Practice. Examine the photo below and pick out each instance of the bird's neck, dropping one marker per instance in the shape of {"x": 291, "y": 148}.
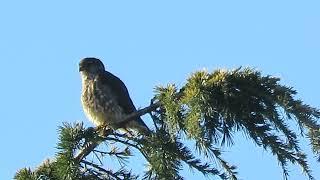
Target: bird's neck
{"x": 87, "y": 78}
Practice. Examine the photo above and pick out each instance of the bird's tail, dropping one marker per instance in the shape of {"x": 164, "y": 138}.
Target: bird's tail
{"x": 139, "y": 126}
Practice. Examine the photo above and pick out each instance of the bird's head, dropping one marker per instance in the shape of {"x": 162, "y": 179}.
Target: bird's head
{"x": 91, "y": 66}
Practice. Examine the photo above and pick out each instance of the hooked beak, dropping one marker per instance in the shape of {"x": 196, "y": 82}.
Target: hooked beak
{"x": 81, "y": 68}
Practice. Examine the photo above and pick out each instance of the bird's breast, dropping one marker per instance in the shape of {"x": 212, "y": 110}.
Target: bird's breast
{"x": 100, "y": 105}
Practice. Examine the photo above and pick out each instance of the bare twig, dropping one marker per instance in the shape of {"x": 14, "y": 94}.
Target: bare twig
{"x": 93, "y": 144}
{"x": 141, "y": 112}
{"x": 100, "y": 169}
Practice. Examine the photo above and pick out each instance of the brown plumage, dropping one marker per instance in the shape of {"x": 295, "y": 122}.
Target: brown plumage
{"x": 105, "y": 98}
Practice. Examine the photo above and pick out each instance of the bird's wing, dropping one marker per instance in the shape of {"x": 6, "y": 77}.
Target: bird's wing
{"x": 119, "y": 90}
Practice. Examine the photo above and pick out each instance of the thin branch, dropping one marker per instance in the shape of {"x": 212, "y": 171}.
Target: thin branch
{"x": 141, "y": 112}
{"x": 90, "y": 146}
{"x": 130, "y": 144}
{"x": 123, "y": 142}
{"x": 101, "y": 152}
{"x": 93, "y": 144}
{"x": 100, "y": 169}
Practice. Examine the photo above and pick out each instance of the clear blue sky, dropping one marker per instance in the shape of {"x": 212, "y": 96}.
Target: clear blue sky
{"x": 146, "y": 43}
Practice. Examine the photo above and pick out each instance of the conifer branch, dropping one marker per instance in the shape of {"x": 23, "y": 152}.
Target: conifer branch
{"x": 90, "y": 146}
{"x": 108, "y": 173}
{"x": 208, "y": 111}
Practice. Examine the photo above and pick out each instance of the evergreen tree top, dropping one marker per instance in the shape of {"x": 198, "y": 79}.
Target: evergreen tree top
{"x": 206, "y": 112}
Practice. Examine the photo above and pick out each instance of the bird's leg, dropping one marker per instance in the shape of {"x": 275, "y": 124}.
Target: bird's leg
{"x": 103, "y": 130}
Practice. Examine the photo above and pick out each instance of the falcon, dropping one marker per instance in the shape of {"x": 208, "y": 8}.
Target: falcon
{"x": 105, "y": 98}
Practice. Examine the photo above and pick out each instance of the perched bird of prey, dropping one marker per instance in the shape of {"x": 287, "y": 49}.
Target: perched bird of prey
{"x": 105, "y": 98}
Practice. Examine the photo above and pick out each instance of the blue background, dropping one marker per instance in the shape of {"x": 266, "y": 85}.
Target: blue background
{"x": 146, "y": 43}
